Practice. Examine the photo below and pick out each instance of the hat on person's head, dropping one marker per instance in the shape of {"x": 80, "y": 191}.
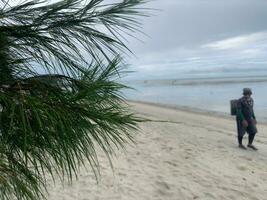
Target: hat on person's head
{"x": 247, "y": 91}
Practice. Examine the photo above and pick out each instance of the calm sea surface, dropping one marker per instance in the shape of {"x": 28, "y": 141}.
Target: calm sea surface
{"x": 211, "y": 94}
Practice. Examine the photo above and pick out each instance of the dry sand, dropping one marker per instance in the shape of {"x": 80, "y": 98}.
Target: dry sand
{"x": 191, "y": 156}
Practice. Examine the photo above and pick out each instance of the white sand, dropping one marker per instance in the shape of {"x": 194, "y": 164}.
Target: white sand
{"x": 193, "y": 156}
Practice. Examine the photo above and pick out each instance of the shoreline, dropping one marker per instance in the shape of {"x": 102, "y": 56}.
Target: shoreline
{"x": 193, "y": 110}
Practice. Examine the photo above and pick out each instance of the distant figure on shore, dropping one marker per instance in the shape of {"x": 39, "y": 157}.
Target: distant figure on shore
{"x": 246, "y": 120}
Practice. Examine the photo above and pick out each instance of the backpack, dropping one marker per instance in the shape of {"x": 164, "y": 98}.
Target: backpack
{"x": 233, "y": 106}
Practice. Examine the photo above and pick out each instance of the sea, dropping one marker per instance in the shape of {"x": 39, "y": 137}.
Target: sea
{"x": 202, "y": 92}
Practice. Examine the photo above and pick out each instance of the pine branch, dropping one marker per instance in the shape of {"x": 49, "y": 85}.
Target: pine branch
{"x": 67, "y": 29}
{"x": 59, "y": 92}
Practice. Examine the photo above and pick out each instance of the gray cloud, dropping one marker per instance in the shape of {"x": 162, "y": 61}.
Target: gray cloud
{"x": 189, "y": 23}
{"x": 191, "y": 29}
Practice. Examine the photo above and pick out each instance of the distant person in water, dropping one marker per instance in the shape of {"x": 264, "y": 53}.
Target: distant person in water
{"x": 246, "y": 120}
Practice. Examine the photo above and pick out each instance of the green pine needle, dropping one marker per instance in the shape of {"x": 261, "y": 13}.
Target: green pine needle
{"x": 59, "y": 94}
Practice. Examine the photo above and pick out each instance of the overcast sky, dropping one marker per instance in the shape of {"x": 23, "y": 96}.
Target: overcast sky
{"x": 201, "y": 35}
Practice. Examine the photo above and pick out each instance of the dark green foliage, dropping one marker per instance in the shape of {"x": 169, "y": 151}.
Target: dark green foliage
{"x": 5, "y": 69}
{"x": 59, "y": 94}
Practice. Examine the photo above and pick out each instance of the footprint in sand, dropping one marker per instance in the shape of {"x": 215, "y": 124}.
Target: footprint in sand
{"x": 255, "y": 185}
{"x": 171, "y": 163}
{"x": 167, "y": 148}
{"x": 242, "y": 168}
{"x": 121, "y": 174}
{"x": 189, "y": 152}
{"x": 163, "y": 188}
{"x": 249, "y": 159}
{"x": 163, "y": 185}
{"x": 246, "y": 158}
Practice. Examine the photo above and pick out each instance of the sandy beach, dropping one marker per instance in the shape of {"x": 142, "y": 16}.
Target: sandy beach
{"x": 179, "y": 155}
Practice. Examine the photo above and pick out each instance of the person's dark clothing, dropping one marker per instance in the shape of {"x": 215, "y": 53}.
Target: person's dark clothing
{"x": 241, "y": 130}
{"x": 251, "y": 138}
{"x": 245, "y": 112}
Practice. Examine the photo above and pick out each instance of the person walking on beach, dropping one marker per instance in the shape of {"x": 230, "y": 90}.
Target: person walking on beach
{"x": 246, "y": 120}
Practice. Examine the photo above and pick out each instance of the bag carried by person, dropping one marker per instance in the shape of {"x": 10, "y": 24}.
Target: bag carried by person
{"x": 233, "y": 106}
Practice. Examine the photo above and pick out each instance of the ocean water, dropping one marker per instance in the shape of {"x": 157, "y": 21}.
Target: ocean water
{"x": 210, "y": 94}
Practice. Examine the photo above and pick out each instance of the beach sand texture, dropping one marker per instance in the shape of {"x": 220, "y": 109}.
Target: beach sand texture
{"x": 191, "y": 156}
